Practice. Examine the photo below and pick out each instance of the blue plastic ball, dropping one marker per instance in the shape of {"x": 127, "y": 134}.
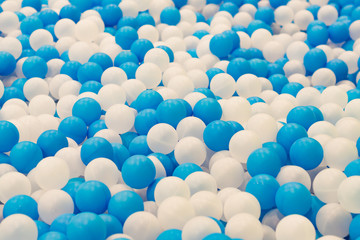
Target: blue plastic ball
{"x": 170, "y": 16}
{"x": 125, "y": 203}
{"x": 124, "y": 57}
{"x": 207, "y": 92}
{"x": 91, "y": 86}
{"x": 278, "y": 81}
{"x": 21, "y": 204}
{"x": 95, "y": 127}
{"x": 130, "y": 69}
{"x": 92, "y": 196}
{"x": 127, "y": 138}
{"x": 263, "y": 161}
{"x": 128, "y": 21}
{"x": 170, "y": 234}
{"x": 185, "y": 169}
{"x": 60, "y": 223}
{"x": 353, "y": 94}
{"x": 47, "y": 52}
{"x": 88, "y": 109}
{"x": 145, "y": 120}
{"x": 167, "y": 163}
{"x": 111, "y": 14}
{"x": 74, "y": 128}
{"x": 221, "y": 45}
{"x": 200, "y": 33}
{"x": 70, "y": 68}
{"x": 306, "y": 153}
{"x": 25, "y": 155}
{"x": 259, "y": 67}
{"x": 121, "y": 153}
{"x": 293, "y": 198}
{"x": 102, "y": 59}
{"x": 85, "y": 226}
{"x": 30, "y": 24}
{"x": 71, "y": 12}
{"x": 113, "y": 225}
{"x": 171, "y": 111}
{"x": 339, "y": 67}
{"x": 316, "y": 204}
{"x": 83, "y": 5}
{"x": 266, "y": 14}
{"x": 8, "y": 63}
{"x": 217, "y": 236}
{"x": 126, "y": 36}
{"x": 48, "y": 17}
{"x": 253, "y": 100}
{"x": 71, "y": 188}
{"x": 339, "y": 32}
{"x": 53, "y": 236}
{"x": 140, "y": 47}
{"x": 353, "y": 168}
{"x": 354, "y": 229}
{"x": 139, "y": 146}
{"x": 278, "y": 3}
{"x": 42, "y": 227}
{"x": 292, "y": 88}
{"x": 138, "y": 171}
{"x": 4, "y": 158}
{"x": 10, "y": 93}
{"x": 34, "y": 67}
{"x": 96, "y": 147}
{"x": 317, "y": 34}
{"x": 279, "y": 149}
{"x": 145, "y": 18}
{"x": 289, "y": 133}
{"x": 150, "y": 191}
{"x": 301, "y": 115}
{"x": 52, "y": 141}
{"x": 212, "y": 72}
{"x": 24, "y": 40}
{"x": 314, "y": 59}
{"x": 208, "y": 110}
{"x": 217, "y": 135}
{"x": 238, "y": 67}
{"x": 275, "y": 68}
{"x": 264, "y": 188}
{"x": 148, "y": 99}
{"x": 229, "y": 7}
{"x": 89, "y": 71}
{"x": 9, "y": 136}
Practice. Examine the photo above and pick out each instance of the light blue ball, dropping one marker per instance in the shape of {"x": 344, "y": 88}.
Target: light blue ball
{"x": 30, "y": 24}
{"x": 140, "y": 47}
{"x": 138, "y": 171}
{"x": 124, "y": 57}
{"x": 60, "y": 223}
{"x": 238, "y": 67}
{"x": 293, "y": 198}
{"x": 306, "y": 153}
{"x": 102, "y": 59}
{"x": 170, "y": 234}
{"x": 167, "y": 163}
{"x": 91, "y": 86}
{"x": 121, "y": 153}
{"x": 51, "y": 141}
{"x": 126, "y": 36}
{"x": 139, "y": 146}
{"x": 217, "y": 135}
{"x": 148, "y": 99}
{"x": 47, "y": 52}
{"x": 353, "y": 168}
{"x": 8, "y": 63}
{"x": 279, "y": 149}
{"x": 74, "y": 128}
{"x": 217, "y": 236}
{"x": 208, "y": 110}
{"x": 264, "y": 188}
{"x": 145, "y": 120}
{"x": 111, "y": 14}
{"x": 42, "y": 227}
{"x": 317, "y": 33}
{"x": 113, "y": 225}
{"x": 171, "y": 111}
{"x": 21, "y": 204}
{"x": 89, "y": 71}
{"x": 95, "y": 127}
{"x": 354, "y": 229}
{"x": 88, "y": 109}
{"x": 92, "y": 196}
{"x": 278, "y": 81}
{"x": 339, "y": 67}
{"x": 86, "y": 226}
{"x": 263, "y": 161}
{"x": 34, "y": 67}
{"x": 292, "y": 88}
{"x": 70, "y": 68}
{"x": 221, "y": 45}
{"x": 184, "y": 170}
{"x": 289, "y": 133}
{"x": 170, "y": 16}
{"x": 301, "y": 115}
{"x": 125, "y": 203}
{"x": 314, "y": 59}
{"x": 96, "y": 147}
{"x": 25, "y": 155}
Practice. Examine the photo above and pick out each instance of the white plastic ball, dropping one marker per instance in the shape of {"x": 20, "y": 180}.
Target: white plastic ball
{"x": 294, "y": 66}
{"x": 332, "y": 219}
{"x": 272, "y": 218}
{"x": 352, "y": 109}
{"x": 243, "y": 143}
{"x": 64, "y": 43}
{"x": 354, "y": 30}
{"x": 157, "y": 56}
{"x": 348, "y": 194}
{"x": 149, "y": 32}
{"x": 150, "y": 74}
{"x": 227, "y": 172}
{"x": 175, "y": 212}
{"x": 52, "y": 173}
{"x": 190, "y": 150}
{"x": 223, "y": 85}
{"x": 349, "y": 128}
{"x": 248, "y": 85}
{"x": 330, "y": 237}
{"x": 86, "y": 30}
{"x": 69, "y": 88}
{"x": 327, "y": 14}
{"x": 5, "y": 168}
{"x": 39, "y": 38}
{"x": 335, "y": 94}
{"x": 35, "y": 86}
{"x": 273, "y": 51}
{"x": 201, "y": 181}
{"x": 110, "y": 95}
{"x": 56, "y": 83}
{"x": 190, "y": 127}
{"x": 42, "y": 104}
{"x": 129, "y": 8}
{"x": 326, "y": 184}
{"x": 81, "y": 52}
{"x": 339, "y": 152}
{"x": 283, "y": 15}
{"x": 11, "y": 45}
{"x": 72, "y": 158}
{"x": 9, "y": 21}
{"x": 169, "y": 187}
{"x": 207, "y": 204}
{"x": 13, "y": 183}
{"x": 64, "y": 106}
{"x": 64, "y": 28}
{"x": 332, "y": 112}
{"x": 243, "y": 19}
{"x": 103, "y": 170}
{"x": 260, "y": 37}
{"x": 324, "y": 77}
{"x": 242, "y": 202}
{"x": 142, "y": 226}
{"x": 19, "y": 227}
{"x": 322, "y": 127}
{"x": 199, "y": 227}
{"x": 302, "y": 18}
{"x": 162, "y": 138}
{"x": 244, "y": 226}
{"x": 113, "y": 75}
{"x": 295, "y": 227}
{"x": 294, "y": 173}
{"x": 54, "y": 203}
{"x": 193, "y": 97}
{"x": 264, "y": 125}
{"x": 120, "y": 118}
{"x": 182, "y": 85}
{"x": 350, "y": 58}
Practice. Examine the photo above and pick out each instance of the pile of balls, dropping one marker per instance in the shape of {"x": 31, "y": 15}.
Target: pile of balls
{"x": 179, "y": 119}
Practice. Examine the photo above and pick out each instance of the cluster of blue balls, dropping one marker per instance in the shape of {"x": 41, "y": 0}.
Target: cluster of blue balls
{"x": 92, "y": 199}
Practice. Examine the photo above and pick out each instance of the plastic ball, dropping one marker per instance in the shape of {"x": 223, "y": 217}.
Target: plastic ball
{"x": 21, "y": 204}
{"x": 292, "y": 173}
{"x": 289, "y": 133}
{"x": 306, "y": 153}
{"x": 24, "y": 156}
{"x": 241, "y": 202}
{"x": 227, "y": 172}
{"x": 327, "y": 14}
{"x": 347, "y": 194}
{"x": 136, "y": 165}
{"x": 61, "y": 222}
{"x": 115, "y": 118}
{"x": 292, "y": 224}
{"x": 140, "y": 47}
{"x": 79, "y": 51}
{"x": 293, "y": 198}
{"x": 53, "y": 235}
{"x": 174, "y": 212}
{"x": 10, "y": 135}
{"x": 244, "y": 226}
{"x": 162, "y": 138}
{"x": 339, "y": 152}
{"x": 353, "y": 229}
{"x": 190, "y": 149}
{"x": 10, "y": 65}
{"x": 206, "y": 203}
{"x": 263, "y": 161}
{"x": 12, "y": 178}
{"x": 87, "y": 109}
{"x": 54, "y": 203}
{"x": 92, "y": 196}
{"x": 74, "y": 128}
{"x": 96, "y": 147}
{"x": 19, "y": 226}
{"x": 199, "y": 227}
{"x": 51, "y": 141}
{"x": 171, "y": 111}
{"x": 34, "y": 67}
{"x": 125, "y": 203}
{"x": 221, "y": 45}
{"x": 125, "y": 36}
{"x": 86, "y": 225}
{"x": 134, "y": 226}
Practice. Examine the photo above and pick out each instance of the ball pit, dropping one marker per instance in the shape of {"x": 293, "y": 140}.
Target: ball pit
{"x": 179, "y": 119}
